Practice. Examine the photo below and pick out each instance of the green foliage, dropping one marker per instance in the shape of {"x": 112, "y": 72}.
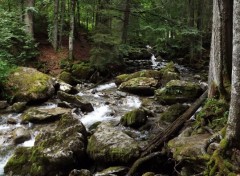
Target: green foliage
{"x": 15, "y": 45}
{"x": 5, "y": 69}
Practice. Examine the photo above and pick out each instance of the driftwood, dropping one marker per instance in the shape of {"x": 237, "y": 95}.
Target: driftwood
{"x": 176, "y": 126}
{"x": 140, "y": 162}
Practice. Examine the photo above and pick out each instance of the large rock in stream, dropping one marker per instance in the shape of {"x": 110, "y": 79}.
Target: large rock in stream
{"x": 110, "y": 145}
{"x": 178, "y": 91}
{"x": 41, "y": 115}
{"x": 54, "y": 153}
{"x": 28, "y": 84}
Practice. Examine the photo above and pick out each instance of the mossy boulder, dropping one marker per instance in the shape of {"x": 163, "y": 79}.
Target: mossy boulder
{"x": 55, "y": 152}
{"x": 190, "y": 150}
{"x": 143, "y": 73}
{"x": 76, "y": 101}
{"x": 134, "y": 118}
{"x": 28, "y": 84}
{"x": 82, "y": 71}
{"x": 66, "y": 77}
{"x": 178, "y": 91}
{"x": 110, "y": 145}
{"x": 173, "y": 112}
{"x": 214, "y": 113}
{"x": 41, "y": 115}
{"x": 19, "y": 107}
{"x": 140, "y": 86}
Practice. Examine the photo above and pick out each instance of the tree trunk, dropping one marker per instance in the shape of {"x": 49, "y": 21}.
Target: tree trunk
{"x": 71, "y": 33}
{"x": 233, "y": 124}
{"x": 191, "y": 24}
{"x": 126, "y": 21}
{"x": 28, "y": 18}
{"x": 62, "y": 15}
{"x": 200, "y": 26}
{"x": 215, "y": 77}
{"x": 55, "y": 25}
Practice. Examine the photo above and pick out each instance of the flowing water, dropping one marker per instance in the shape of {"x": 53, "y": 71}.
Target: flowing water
{"x": 108, "y": 103}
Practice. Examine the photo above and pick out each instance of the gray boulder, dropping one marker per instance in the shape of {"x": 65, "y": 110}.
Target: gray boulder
{"x": 111, "y": 145}
{"x": 21, "y": 135}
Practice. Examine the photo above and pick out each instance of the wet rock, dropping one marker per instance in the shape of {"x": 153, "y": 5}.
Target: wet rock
{"x": 178, "y": 91}
{"x": 121, "y": 94}
{"x": 173, "y": 112}
{"x": 111, "y": 145}
{"x": 3, "y": 104}
{"x": 65, "y": 87}
{"x": 54, "y": 153}
{"x": 140, "y": 86}
{"x": 19, "y": 107}
{"x": 117, "y": 170}
{"x": 169, "y": 72}
{"x": 64, "y": 104}
{"x": 21, "y": 135}
{"x": 76, "y": 101}
{"x": 39, "y": 115}
{"x": 134, "y": 118}
{"x": 29, "y": 85}
{"x": 144, "y": 73}
{"x": 82, "y": 172}
{"x": 12, "y": 121}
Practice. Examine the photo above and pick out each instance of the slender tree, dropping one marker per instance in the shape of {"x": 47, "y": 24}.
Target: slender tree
{"x": 126, "y": 21}
{"x": 233, "y": 125}
{"x": 55, "y": 25}
{"x": 71, "y": 32}
{"x": 28, "y": 18}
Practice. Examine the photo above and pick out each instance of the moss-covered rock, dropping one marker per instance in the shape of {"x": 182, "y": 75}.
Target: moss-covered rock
{"x": 66, "y": 77}
{"x": 134, "y": 118}
{"x": 190, "y": 150}
{"x": 178, "y": 91}
{"x": 54, "y": 153}
{"x": 82, "y": 70}
{"x": 173, "y": 112}
{"x": 75, "y": 100}
{"x": 140, "y": 86}
{"x": 169, "y": 72}
{"x": 28, "y": 84}
{"x": 214, "y": 113}
{"x": 144, "y": 73}
{"x": 18, "y": 107}
{"x": 39, "y": 115}
{"x": 110, "y": 145}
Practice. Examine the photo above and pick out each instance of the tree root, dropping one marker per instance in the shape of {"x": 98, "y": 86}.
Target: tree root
{"x": 219, "y": 163}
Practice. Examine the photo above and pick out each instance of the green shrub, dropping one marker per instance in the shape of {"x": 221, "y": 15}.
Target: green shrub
{"x": 16, "y": 46}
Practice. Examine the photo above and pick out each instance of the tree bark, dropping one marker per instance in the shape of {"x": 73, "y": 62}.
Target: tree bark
{"x": 164, "y": 136}
{"x": 62, "y": 15}
{"x": 55, "y": 25}
{"x": 71, "y": 33}
{"x": 28, "y": 17}
{"x": 126, "y": 21}
{"x": 233, "y": 124}
{"x": 191, "y": 25}
{"x": 216, "y": 66}
{"x": 200, "y": 26}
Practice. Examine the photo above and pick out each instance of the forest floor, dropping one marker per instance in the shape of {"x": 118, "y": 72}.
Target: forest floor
{"x": 49, "y": 60}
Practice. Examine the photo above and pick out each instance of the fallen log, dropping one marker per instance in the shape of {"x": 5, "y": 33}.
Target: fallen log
{"x": 176, "y": 126}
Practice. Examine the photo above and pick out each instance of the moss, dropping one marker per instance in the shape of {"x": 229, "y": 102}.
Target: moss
{"x": 144, "y": 73}
{"x": 134, "y": 118}
{"x": 82, "y": 70}
{"x": 214, "y": 113}
{"x": 173, "y": 112}
{"x": 66, "y": 77}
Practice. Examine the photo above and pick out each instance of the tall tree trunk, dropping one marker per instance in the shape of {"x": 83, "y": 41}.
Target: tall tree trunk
{"x": 215, "y": 79}
{"x": 126, "y": 21}
{"x": 200, "y": 26}
{"x": 28, "y": 18}
{"x": 227, "y": 11}
{"x": 55, "y": 25}
{"x": 62, "y": 15}
{"x": 233, "y": 125}
{"x": 71, "y": 33}
{"x": 191, "y": 24}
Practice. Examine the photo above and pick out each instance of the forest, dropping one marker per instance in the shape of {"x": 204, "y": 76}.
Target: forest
{"x": 119, "y": 87}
